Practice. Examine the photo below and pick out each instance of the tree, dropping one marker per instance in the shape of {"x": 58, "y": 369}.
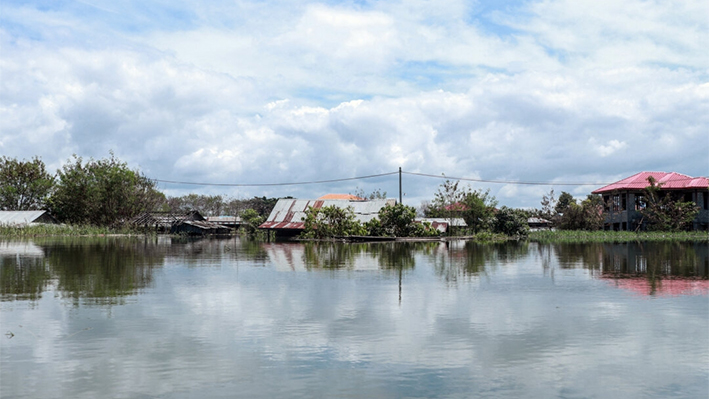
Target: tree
{"x": 451, "y": 201}
{"x": 102, "y": 193}
{"x": 565, "y": 200}
{"x": 331, "y": 221}
{"x": 376, "y": 194}
{"x": 511, "y": 222}
{"x": 252, "y": 220}
{"x": 398, "y": 221}
{"x": 478, "y": 210}
{"x": 24, "y": 185}
{"x": 548, "y": 205}
{"x": 663, "y": 213}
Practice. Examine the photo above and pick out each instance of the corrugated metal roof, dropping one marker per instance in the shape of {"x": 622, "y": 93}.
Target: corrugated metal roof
{"x": 224, "y": 219}
{"x": 668, "y": 181}
{"x": 289, "y": 213}
{"x": 22, "y": 217}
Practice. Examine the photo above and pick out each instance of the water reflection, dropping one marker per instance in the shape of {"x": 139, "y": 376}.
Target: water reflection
{"x": 108, "y": 269}
{"x": 655, "y": 268}
{"x": 456, "y": 260}
{"x": 231, "y": 318}
{"x": 24, "y": 274}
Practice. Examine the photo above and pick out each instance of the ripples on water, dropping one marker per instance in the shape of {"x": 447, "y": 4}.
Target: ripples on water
{"x": 127, "y": 318}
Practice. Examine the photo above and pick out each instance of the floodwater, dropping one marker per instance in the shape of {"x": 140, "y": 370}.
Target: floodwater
{"x": 163, "y": 318}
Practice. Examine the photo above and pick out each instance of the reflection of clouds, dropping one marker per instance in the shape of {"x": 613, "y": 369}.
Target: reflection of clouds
{"x": 251, "y": 331}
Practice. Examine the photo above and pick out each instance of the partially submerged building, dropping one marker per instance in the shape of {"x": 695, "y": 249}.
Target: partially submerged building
{"x": 190, "y": 223}
{"x": 625, "y": 198}
{"x": 287, "y": 217}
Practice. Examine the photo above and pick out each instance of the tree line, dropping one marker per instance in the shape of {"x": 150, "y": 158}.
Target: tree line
{"x": 106, "y": 192}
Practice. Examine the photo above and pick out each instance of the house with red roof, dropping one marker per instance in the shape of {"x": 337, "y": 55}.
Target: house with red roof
{"x": 624, "y": 199}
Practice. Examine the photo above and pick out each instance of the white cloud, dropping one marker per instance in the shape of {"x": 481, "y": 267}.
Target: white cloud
{"x": 314, "y": 92}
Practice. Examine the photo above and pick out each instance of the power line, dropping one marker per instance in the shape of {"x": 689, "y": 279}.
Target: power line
{"x": 380, "y": 175}
{"x": 274, "y": 184}
{"x": 506, "y": 181}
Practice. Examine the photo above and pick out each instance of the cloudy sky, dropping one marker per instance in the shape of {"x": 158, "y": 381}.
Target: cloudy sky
{"x": 251, "y": 92}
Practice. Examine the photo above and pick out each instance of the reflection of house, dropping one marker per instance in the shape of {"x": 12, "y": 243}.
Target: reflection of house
{"x": 23, "y": 218}
{"x": 286, "y": 218}
{"x": 192, "y": 223}
{"x": 625, "y": 198}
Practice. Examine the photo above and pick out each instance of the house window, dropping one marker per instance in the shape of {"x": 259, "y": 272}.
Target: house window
{"x": 640, "y": 202}
{"x": 615, "y": 206}
{"x": 706, "y": 200}
{"x": 624, "y": 201}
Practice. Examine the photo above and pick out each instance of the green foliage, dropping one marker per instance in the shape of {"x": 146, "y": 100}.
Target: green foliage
{"x": 478, "y": 211}
{"x": 663, "y": 213}
{"x": 565, "y": 200}
{"x": 587, "y": 216}
{"x": 374, "y": 228}
{"x": 101, "y": 193}
{"x": 217, "y": 205}
{"x": 398, "y": 221}
{"x": 580, "y": 236}
{"x": 24, "y": 185}
{"x": 251, "y": 221}
{"x": 548, "y": 206}
{"x": 331, "y": 221}
{"x": 476, "y": 207}
{"x": 511, "y": 222}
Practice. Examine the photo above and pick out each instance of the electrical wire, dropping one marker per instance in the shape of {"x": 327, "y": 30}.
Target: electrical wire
{"x": 380, "y": 175}
{"x": 275, "y": 184}
{"x": 505, "y": 181}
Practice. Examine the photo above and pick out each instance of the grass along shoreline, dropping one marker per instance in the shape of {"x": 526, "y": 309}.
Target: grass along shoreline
{"x": 615, "y": 236}
{"x": 52, "y": 230}
{"x": 49, "y": 230}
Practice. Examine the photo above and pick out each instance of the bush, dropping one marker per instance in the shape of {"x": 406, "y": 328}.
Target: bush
{"x": 511, "y": 222}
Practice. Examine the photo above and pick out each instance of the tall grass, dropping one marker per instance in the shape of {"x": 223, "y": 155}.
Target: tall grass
{"x": 615, "y": 236}
{"x": 47, "y": 230}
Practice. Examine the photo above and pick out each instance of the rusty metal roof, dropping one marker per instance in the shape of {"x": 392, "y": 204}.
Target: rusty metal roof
{"x": 289, "y": 213}
{"x": 667, "y": 181}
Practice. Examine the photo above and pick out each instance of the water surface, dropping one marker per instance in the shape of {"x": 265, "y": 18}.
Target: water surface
{"x": 163, "y": 318}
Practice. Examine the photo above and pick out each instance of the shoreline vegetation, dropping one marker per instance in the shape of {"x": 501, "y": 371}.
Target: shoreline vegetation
{"x": 544, "y": 236}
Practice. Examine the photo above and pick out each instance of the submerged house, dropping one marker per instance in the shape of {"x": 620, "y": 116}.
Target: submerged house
{"x": 191, "y": 223}
{"x": 286, "y": 218}
{"x": 625, "y": 199}
{"x": 24, "y": 218}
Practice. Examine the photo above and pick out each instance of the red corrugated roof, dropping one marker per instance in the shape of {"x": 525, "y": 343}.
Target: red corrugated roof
{"x": 671, "y": 180}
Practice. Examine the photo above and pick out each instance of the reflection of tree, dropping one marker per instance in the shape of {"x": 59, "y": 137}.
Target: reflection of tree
{"x": 469, "y": 259}
{"x": 572, "y": 255}
{"x": 397, "y": 255}
{"x": 206, "y": 251}
{"x": 331, "y": 255}
{"x": 103, "y": 270}
{"x": 22, "y": 278}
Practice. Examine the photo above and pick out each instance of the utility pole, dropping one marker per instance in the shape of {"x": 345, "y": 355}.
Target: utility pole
{"x": 401, "y": 200}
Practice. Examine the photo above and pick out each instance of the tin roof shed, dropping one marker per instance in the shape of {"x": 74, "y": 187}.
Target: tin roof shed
{"x": 288, "y": 214}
